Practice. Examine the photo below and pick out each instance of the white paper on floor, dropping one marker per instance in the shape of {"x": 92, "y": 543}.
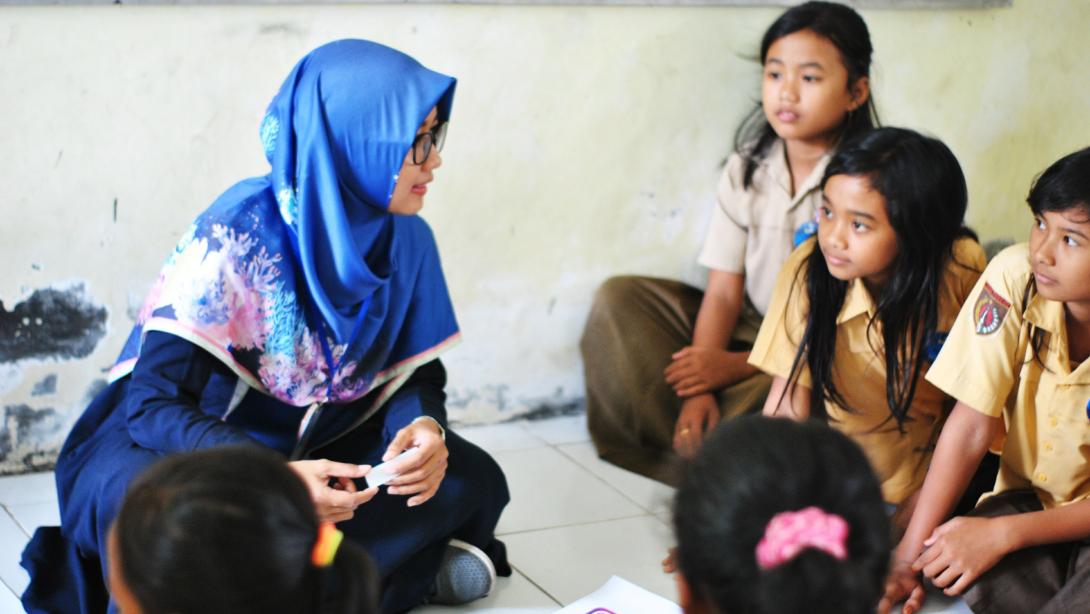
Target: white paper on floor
{"x": 619, "y": 596}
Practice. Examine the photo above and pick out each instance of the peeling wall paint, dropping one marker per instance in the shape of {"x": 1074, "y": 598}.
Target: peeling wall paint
{"x": 586, "y": 142}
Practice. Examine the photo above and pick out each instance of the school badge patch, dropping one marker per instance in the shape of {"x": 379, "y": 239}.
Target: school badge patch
{"x": 989, "y": 311}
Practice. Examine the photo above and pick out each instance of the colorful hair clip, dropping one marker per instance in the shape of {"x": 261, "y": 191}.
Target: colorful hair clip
{"x": 789, "y": 533}
{"x": 325, "y": 547}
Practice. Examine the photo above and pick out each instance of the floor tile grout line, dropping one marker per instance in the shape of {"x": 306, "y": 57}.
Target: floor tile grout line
{"x": 8, "y": 586}
{"x": 536, "y": 585}
{"x": 11, "y": 515}
{"x": 574, "y": 524}
{"x": 600, "y": 478}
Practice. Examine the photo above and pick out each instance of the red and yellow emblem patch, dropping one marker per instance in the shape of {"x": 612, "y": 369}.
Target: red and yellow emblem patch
{"x": 989, "y": 311}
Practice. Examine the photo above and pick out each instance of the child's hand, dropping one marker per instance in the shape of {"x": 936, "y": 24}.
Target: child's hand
{"x": 698, "y": 416}
{"x": 962, "y": 549}
{"x": 423, "y": 471}
{"x": 669, "y": 564}
{"x": 902, "y": 584}
{"x": 332, "y": 490}
{"x": 698, "y": 370}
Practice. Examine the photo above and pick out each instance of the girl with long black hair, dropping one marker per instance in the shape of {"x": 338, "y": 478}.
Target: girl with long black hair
{"x": 859, "y": 313}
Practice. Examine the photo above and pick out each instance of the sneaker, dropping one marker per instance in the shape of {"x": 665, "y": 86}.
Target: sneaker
{"x": 465, "y": 574}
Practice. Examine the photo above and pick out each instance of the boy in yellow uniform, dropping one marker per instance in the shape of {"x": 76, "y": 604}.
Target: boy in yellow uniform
{"x": 1016, "y": 357}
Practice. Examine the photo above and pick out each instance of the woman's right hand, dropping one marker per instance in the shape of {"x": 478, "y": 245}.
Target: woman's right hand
{"x": 902, "y": 584}
{"x": 332, "y": 490}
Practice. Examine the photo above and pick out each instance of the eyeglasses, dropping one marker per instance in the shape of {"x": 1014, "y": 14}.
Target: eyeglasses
{"x": 423, "y": 143}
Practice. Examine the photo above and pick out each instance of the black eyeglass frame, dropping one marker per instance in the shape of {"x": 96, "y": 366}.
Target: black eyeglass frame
{"x": 423, "y": 143}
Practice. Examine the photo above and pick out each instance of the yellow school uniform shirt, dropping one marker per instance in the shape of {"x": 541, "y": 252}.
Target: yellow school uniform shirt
{"x": 988, "y": 363}
{"x": 859, "y": 371}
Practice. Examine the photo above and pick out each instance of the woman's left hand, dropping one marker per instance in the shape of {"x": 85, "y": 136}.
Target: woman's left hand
{"x": 424, "y": 470}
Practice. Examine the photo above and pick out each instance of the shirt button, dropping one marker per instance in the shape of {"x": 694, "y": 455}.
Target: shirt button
{"x": 1042, "y": 477}
{"x": 1053, "y": 422}
{"x": 1048, "y": 446}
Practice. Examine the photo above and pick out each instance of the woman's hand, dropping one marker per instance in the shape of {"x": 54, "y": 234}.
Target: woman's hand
{"x": 331, "y": 487}
{"x": 698, "y": 370}
{"x": 962, "y": 549}
{"x": 423, "y": 471}
{"x": 698, "y": 417}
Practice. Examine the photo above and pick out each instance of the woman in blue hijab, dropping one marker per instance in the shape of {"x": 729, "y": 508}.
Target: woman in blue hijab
{"x": 303, "y": 311}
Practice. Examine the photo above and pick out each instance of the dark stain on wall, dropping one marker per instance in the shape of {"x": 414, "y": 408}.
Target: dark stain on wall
{"x": 21, "y": 439}
{"x": 46, "y": 386}
{"x": 51, "y": 323}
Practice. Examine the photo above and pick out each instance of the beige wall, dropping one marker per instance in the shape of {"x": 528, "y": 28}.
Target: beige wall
{"x": 585, "y": 143}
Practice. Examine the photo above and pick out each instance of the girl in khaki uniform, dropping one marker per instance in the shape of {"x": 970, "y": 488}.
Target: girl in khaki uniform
{"x": 1017, "y": 359}
{"x": 663, "y": 360}
{"x": 858, "y": 314}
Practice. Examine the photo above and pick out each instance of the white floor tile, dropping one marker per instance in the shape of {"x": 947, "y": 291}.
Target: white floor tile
{"x": 570, "y": 562}
{"x": 556, "y": 431}
{"x": 12, "y": 541}
{"x": 29, "y": 488}
{"x": 30, "y": 516}
{"x": 549, "y": 489}
{"x": 649, "y": 494}
{"x": 514, "y": 594}
{"x": 494, "y": 438}
{"x": 9, "y": 603}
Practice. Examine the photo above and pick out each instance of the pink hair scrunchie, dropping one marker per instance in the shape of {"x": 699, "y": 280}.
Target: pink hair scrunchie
{"x": 789, "y": 533}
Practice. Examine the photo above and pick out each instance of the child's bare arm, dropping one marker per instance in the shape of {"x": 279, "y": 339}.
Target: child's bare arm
{"x": 795, "y": 403}
{"x": 963, "y": 443}
{"x": 959, "y": 551}
{"x": 706, "y": 366}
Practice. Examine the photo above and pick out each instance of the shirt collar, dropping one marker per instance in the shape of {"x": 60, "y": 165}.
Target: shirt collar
{"x": 1045, "y": 314}
{"x": 775, "y": 164}
{"x": 857, "y": 302}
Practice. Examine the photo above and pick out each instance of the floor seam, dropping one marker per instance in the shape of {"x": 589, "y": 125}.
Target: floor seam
{"x": 536, "y": 585}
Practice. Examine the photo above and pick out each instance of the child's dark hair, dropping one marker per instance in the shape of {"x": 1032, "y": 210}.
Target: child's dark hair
{"x": 926, "y": 197}
{"x": 751, "y": 469}
{"x": 1064, "y": 185}
{"x": 232, "y": 529}
{"x": 845, "y": 29}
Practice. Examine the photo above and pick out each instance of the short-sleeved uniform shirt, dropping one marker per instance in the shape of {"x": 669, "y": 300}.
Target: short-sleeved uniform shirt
{"x": 752, "y": 231}
{"x": 859, "y": 371}
{"x": 989, "y": 363}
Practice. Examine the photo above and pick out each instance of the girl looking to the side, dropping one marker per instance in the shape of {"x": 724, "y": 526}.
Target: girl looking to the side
{"x": 664, "y": 361}
{"x": 858, "y": 314}
{"x": 1018, "y": 363}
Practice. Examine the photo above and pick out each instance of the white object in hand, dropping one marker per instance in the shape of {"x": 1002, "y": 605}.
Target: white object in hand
{"x": 383, "y": 473}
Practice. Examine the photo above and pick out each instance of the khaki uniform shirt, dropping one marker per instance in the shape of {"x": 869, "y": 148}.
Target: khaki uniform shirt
{"x": 752, "y": 231}
{"x": 988, "y": 363}
{"x": 859, "y": 372}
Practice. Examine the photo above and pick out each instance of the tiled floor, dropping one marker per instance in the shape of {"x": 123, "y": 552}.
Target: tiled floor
{"x": 573, "y": 521}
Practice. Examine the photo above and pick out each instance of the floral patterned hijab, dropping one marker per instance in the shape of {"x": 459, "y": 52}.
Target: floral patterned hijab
{"x": 301, "y": 281}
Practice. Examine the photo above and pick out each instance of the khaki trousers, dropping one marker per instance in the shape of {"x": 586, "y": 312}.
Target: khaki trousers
{"x": 635, "y": 324}
{"x": 1047, "y": 579}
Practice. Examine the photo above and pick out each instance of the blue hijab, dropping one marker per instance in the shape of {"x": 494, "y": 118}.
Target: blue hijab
{"x": 302, "y": 281}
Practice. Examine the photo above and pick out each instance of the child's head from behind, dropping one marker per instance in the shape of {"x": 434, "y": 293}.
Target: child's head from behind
{"x": 816, "y": 59}
{"x": 229, "y": 530}
{"x": 734, "y": 557}
{"x": 1060, "y": 239}
{"x": 893, "y": 202}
